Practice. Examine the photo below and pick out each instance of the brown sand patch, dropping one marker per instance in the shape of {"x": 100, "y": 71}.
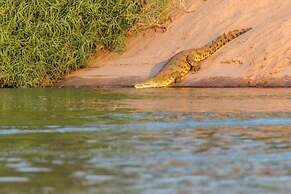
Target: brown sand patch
{"x": 259, "y": 58}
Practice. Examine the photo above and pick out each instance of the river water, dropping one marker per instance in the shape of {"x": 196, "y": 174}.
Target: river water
{"x": 153, "y": 141}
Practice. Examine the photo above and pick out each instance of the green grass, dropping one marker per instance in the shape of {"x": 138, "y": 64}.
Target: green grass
{"x": 43, "y": 40}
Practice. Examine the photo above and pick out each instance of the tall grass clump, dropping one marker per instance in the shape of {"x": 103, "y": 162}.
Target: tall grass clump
{"x": 42, "y": 40}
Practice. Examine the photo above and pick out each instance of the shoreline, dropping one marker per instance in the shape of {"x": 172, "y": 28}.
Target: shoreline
{"x": 214, "y": 82}
{"x": 259, "y": 58}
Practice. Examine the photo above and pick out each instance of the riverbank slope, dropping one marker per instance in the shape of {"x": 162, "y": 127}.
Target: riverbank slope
{"x": 261, "y": 57}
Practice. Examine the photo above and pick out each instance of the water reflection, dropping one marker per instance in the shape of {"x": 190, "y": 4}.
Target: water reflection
{"x": 129, "y": 141}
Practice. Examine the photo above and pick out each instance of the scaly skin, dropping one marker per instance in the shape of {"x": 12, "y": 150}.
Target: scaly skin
{"x": 185, "y": 61}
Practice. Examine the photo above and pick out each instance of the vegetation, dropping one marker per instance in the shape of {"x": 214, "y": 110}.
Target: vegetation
{"x": 42, "y": 40}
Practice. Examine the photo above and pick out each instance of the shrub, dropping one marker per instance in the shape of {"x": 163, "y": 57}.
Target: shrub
{"x": 42, "y": 40}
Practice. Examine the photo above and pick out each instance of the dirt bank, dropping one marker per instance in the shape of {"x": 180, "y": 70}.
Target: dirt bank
{"x": 261, "y": 57}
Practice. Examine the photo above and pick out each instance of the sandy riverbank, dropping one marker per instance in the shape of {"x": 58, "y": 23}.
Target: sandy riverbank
{"x": 261, "y": 57}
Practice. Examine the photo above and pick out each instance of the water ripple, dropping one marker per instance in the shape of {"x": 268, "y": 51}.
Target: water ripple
{"x": 185, "y": 124}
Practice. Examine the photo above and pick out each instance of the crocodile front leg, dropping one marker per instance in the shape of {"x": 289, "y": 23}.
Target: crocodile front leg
{"x": 195, "y": 65}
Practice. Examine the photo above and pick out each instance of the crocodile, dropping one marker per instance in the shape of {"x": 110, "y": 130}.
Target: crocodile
{"x": 188, "y": 60}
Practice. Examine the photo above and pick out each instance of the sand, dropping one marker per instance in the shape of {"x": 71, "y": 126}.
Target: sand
{"x": 259, "y": 58}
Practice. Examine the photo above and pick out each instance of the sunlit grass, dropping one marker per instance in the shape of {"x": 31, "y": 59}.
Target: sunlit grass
{"x": 42, "y": 40}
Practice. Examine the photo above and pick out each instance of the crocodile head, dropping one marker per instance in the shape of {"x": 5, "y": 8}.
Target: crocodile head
{"x": 154, "y": 83}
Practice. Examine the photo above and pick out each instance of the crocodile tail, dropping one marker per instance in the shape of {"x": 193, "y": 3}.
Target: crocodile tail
{"x": 208, "y": 50}
{"x": 223, "y": 39}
